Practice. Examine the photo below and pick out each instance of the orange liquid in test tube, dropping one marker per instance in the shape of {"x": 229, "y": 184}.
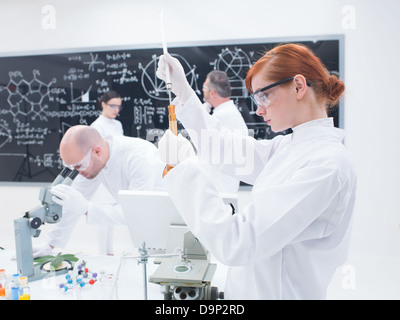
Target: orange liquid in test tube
{"x": 174, "y": 128}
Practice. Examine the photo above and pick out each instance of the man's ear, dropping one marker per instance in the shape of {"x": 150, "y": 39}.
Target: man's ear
{"x": 300, "y": 83}
{"x": 98, "y": 150}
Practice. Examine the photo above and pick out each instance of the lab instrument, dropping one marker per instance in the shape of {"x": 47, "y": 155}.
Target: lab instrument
{"x": 189, "y": 276}
{"x": 24, "y": 290}
{"x": 171, "y": 108}
{"x": 154, "y": 224}
{"x": 168, "y": 84}
{"x": 28, "y": 226}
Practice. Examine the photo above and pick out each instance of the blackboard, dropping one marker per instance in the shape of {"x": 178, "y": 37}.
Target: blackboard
{"x": 42, "y": 95}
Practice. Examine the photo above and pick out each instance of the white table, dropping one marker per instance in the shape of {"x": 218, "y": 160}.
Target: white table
{"x": 129, "y": 285}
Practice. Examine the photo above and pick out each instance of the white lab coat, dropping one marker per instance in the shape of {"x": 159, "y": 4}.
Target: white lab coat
{"x": 108, "y": 127}
{"x": 288, "y": 241}
{"x": 133, "y": 164}
{"x": 230, "y": 118}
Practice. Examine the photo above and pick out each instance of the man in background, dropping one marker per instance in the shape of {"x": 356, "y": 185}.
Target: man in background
{"x": 217, "y": 101}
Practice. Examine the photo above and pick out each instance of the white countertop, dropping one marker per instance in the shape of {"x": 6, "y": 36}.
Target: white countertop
{"x": 128, "y": 286}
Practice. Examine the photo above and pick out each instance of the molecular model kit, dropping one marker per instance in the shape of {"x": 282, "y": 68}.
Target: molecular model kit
{"x": 82, "y": 277}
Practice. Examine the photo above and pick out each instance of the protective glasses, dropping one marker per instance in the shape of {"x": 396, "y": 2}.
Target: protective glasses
{"x": 81, "y": 165}
{"x": 115, "y": 106}
{"x": 259, "y": 97}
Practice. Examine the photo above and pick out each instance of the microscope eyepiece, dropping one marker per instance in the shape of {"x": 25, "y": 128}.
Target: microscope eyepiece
{"x": 65, "y": 172}
{"x": 73, "y": 174}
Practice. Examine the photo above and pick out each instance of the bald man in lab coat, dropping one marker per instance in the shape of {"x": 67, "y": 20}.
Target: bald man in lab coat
{"x": 119, "y": 163}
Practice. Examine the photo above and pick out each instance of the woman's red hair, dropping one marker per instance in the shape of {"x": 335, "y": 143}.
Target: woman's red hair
{"x": 288, "y": 60}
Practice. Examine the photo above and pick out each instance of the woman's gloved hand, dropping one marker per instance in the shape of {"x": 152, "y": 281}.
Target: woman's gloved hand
{"x": 180, "y": 86}
{"x": 71, "y": 200}
{"x": 174, "y": 149}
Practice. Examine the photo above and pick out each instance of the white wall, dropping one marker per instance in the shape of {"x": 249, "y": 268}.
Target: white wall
{"x": 371, "y": 75}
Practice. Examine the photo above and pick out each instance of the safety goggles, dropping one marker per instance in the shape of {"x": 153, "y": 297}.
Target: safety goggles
{"x": 81, "y": 165}
{"x": 115, "y": 106}
{"x": 259, "y": 97}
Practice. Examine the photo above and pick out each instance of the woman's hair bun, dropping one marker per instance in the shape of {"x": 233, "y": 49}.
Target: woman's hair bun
{"x": 333, "y": 89}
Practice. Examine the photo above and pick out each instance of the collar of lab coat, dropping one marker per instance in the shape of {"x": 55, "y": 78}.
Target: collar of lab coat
{"x": 106, "y": 120}
{"x": 314, "y": 129}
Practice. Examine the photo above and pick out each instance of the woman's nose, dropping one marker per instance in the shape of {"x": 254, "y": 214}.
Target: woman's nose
{"x": 260, "y": 110}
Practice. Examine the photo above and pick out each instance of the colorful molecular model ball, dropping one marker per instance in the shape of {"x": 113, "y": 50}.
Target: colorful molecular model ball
{"x": 83, "y": 277}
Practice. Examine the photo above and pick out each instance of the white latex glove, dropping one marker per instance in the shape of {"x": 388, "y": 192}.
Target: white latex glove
{"x": 72, "y": 201}
{"x": 180, "y": 86}
{"x": 42, "y": 250}
{"x": 174, "y": 149}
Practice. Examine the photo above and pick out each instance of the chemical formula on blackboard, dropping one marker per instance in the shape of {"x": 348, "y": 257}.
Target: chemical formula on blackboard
{"x": 41, "y": 96}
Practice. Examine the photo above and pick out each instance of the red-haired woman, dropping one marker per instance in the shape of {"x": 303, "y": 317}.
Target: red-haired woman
{"x": 288, "y": 240}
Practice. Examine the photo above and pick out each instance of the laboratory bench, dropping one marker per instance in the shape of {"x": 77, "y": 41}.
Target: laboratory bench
{"x": 125, "y": 281}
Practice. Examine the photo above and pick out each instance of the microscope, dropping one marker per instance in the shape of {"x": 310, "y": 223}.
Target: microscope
{"x": 187, "y": 277}
{"x": 28, "y": 226}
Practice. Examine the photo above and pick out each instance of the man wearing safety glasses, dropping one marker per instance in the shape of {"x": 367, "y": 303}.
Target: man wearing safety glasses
{"x": 119, "y": 163}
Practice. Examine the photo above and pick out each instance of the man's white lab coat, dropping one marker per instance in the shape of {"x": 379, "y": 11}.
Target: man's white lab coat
{"x": 288, "y": 241}
{"x": 230, "y": 118}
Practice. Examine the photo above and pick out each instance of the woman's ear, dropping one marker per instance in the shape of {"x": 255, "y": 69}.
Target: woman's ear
{"x": 300, "y": 83}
